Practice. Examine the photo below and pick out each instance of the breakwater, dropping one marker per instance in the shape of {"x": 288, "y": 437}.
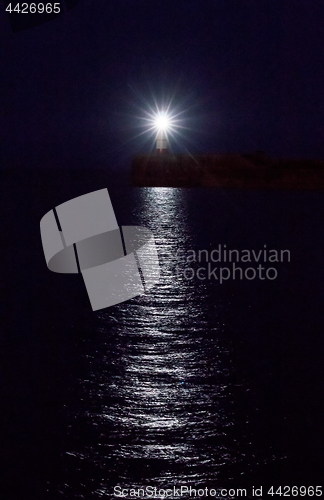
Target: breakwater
{"x": 226, "y": 171}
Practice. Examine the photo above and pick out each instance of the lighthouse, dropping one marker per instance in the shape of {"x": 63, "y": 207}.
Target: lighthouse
{"x": 161, "y": 141}
{"x": 162, "y": 124}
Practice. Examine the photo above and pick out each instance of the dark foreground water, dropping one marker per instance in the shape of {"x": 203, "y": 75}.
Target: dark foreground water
{"x": 195, "y": 384}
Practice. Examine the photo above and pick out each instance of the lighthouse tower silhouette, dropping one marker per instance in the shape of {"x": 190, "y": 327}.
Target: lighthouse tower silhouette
{"x": 162, "y": 124}
{"x": 161, "y": 141}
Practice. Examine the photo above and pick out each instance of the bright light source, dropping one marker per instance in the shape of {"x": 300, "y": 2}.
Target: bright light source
{"x": 162, "y": 122}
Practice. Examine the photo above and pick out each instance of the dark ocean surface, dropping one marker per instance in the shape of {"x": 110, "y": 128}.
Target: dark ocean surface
{"x": 196, "y": 383}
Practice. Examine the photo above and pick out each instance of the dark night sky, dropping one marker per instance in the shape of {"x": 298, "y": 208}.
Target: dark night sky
{"x": 249, "y": 73}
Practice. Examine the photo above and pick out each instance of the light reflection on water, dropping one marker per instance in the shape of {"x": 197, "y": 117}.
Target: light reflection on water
{"x": 156, "y": 403}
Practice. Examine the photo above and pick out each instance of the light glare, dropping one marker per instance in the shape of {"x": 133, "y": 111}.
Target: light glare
{"x": 162, "y": 122}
